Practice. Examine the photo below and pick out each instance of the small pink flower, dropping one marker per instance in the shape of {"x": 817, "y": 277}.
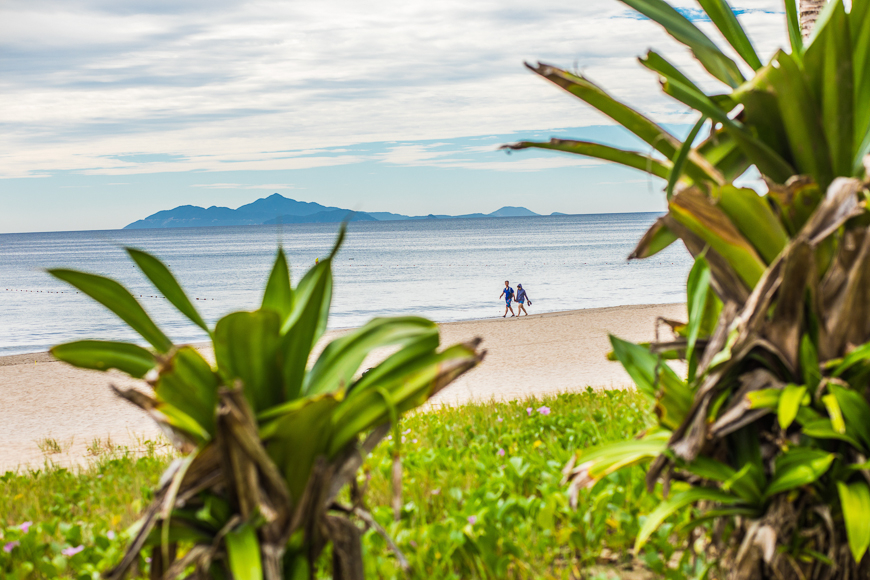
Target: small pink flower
{"x": 72, "y": 551}
{"x": 10, "y": 546}
{"x": 25, "y": 526}
{"x": 500, "y": 419}
{"x": 413, "y": 544}
{"x": 472, "y": 520}
{"x": 501, "y": 452}
{"x": 110, "y": 534}
{"x": 529, "y": 411}
{"x": 544, "y": 410}
{"x": 436, "y": 491}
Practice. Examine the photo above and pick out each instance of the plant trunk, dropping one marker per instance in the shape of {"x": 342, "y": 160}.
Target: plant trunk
{"x": 809, "y": 12}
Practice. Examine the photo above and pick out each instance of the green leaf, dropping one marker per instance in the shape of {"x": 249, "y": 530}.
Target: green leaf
{"x": 659, "y": 64}
{"x": 342, "y": 357}
{"x": 119, "y": 300}
{"x": 828, "y": 65}
{"x": 789, "y": 402}
{"x": 835, "y": 413}
{"x": 855, "y": 410}
{"x": 694, "y": 210}
{"x": 628, "y": 158}
{"x": 243, "y": 553}
{"x": 704, "y": 49}
{"x": 859, "y": 19}
{"x": 611, "y": 457}
{"x": 165, "y": 282}
{"x": 682, "y": 156}
{"x": 820, "y": 428}
{"x": 797, "y": 467}
{"x": 246, "y": 348}
{"x": 697, "y": 290}
{"x": 722, "y": 15}
{"x": 768, "y": 160}
{"x": 656, "y": 239}
{"x": 190, "y": 386}
{"x": 742, "y": 483}
{"x": 279, "y": 295}
{"x": 305, "y": 325}
{"x": 809, "y": 359}
{"x": 407, "y": 387}
{"x": 104, "y": 355}
{"x": 754, "y": 218}
{"x": 855, "y": 503}
{"x": 677, "y": 502}
{"x": 794, "y": 28}
{"x": 803, "y": 125}
{"x": 860, "y": 354}
{"x": 764, "y": 398}
{"x": 656, "y": 379}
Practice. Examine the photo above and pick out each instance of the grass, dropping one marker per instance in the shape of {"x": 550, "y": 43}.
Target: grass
{"x": 482, "y": 497}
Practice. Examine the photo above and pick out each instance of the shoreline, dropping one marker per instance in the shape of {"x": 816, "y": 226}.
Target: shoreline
{"x": 44, "y": 356}
{"x": 541, "y": 354}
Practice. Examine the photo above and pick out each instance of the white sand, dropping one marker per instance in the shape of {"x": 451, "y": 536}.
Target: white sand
{"x": 541, "y": 354}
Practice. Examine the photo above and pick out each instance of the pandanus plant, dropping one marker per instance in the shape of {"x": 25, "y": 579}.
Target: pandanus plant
{"x": 769, "y": 432}
{"x": 268, "y": 441}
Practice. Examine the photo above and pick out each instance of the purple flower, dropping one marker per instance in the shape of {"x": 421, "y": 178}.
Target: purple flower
{"x": 25, "y": 526}
{"x": 72, "y": 551}
{"x": 110, "y": 534}
{"x": 544, "y": 410}
{"x": 529, "y": 411}
{"x": 500, "y": 419}
{"x": 436, "y": 491}
{"x": 501, "y": 452}
{"x": 472, "y": 519}
{"x": 8, "y": 547}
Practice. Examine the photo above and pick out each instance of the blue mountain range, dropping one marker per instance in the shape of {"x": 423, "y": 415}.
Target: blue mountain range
{"x": 279, "y": 209}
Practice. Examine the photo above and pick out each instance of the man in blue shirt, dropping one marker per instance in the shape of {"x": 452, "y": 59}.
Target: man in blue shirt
{"x": 508, "y": 294}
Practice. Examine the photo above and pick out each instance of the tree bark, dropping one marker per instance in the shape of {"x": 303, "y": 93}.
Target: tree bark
{"x": 809, "y": 12}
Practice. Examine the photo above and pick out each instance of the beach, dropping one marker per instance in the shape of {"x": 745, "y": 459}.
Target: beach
{"x": 530, "y": 356}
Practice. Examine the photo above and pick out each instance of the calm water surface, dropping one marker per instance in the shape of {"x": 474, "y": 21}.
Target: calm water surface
{"x": 446, "y": 270}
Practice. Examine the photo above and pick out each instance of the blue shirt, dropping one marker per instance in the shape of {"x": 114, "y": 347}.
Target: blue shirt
{"x": 521, "y": 295}
{"x": 508, "y": 293}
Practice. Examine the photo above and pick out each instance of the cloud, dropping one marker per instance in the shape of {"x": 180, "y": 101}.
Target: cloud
{"x": 270, "y": 186}
{"x": 140, "y": 87}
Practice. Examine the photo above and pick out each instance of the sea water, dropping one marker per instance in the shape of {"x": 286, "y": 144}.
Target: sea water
{"x": 445, "y": 270}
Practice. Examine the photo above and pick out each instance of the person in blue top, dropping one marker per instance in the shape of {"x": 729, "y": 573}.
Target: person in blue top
{"x": 522, "y": 298}
{"x": 508, "y": 294}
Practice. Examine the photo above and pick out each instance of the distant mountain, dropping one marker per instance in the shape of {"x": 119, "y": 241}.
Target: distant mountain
{"x": 323, "y": 217}
{"x": 279, "y": 209}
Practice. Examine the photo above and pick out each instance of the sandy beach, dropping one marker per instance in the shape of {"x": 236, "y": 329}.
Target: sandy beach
{"x": 535, "y": 355}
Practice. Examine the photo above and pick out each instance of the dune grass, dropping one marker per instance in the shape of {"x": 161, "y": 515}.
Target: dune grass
{"x": 482, "y": 497}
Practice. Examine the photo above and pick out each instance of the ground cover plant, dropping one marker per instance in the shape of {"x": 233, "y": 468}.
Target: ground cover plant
{"x": 267, "y": 442}
{"x": 482, "y": 497}
{"x": 770, "y": 432}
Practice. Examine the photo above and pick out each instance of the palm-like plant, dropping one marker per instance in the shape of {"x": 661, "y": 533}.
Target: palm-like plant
{"x": 268, "y": 441}
{"x": 770, "y": 431}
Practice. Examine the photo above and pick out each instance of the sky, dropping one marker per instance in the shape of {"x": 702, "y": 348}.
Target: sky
{"x": 112, "y": 110}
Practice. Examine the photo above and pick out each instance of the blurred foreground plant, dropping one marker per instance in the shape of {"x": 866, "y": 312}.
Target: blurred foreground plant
{"x": 770, "y": 433}
{"x": 269, "y": 442}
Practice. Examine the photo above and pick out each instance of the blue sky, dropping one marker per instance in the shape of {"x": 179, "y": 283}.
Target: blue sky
{"x": 114, "y": 110}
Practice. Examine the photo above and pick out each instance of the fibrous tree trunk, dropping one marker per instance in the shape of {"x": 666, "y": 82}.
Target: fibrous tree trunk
{"x": 809, "y": 12}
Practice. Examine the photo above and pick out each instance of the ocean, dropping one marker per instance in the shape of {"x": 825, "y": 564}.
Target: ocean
{"x": 446, "y": 270}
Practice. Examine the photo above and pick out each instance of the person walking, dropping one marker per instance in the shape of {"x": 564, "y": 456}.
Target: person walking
{"x": 508, "y": 294}
{"x": 522, "y": 298}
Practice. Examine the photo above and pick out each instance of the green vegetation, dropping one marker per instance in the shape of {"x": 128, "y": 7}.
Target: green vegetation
{"x": 468, "y": 511}
{"x": 770, "y": 431}
{"x": 267, "y": 442}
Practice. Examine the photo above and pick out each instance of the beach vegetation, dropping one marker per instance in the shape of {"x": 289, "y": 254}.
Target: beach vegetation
{"x": 268, "y": 443}
{"x": 766, "y": 436}
{"x": 482, "y": 496}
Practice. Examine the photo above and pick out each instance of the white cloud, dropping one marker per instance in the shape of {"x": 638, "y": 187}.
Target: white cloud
{"x": 270, "y": 186}
{"x": 229, "y": 85}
